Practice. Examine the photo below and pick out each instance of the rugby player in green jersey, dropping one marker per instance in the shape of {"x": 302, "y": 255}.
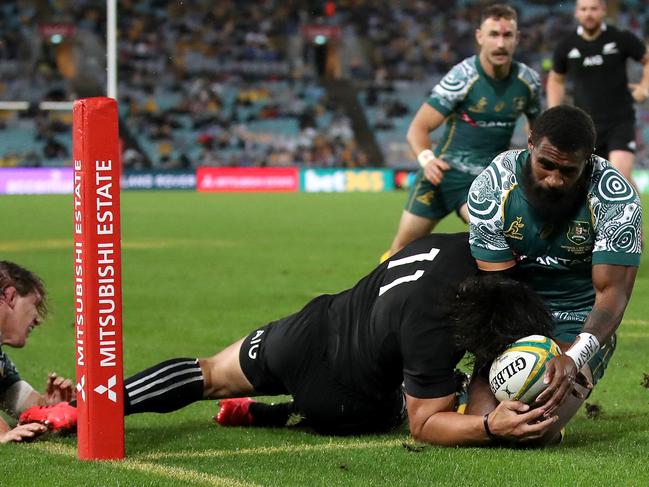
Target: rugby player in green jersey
{"x": 22, "y": 307}
{"x": 567, "y": 223}
{"x": 480, "y": 100}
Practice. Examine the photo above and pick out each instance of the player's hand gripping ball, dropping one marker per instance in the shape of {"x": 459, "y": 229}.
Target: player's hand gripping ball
{"x": 517, "y": 373}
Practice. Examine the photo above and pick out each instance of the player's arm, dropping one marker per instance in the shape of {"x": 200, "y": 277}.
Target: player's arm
{"x": 556, "y": 88}
{"x": 21, "y": 395}
{"x": 426, "y": 120}
{"x": 21, "y": 432}
{"x": 12, "y": 399}
{"x": 613, "y": 285}
{"x": 434, "y": 421}
{"x": 640, "y": 91}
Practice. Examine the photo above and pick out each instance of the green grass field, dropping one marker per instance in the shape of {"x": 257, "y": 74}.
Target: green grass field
{"x": 200, "y": 271}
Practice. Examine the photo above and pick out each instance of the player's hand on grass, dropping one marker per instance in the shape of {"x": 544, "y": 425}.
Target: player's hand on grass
{"x": 516, "y": 421}
{"x": 23, "y": 432}
{"x": 561, "y": 376}
{"x": 433, "y": 167}
{"x": 58, "y": 389}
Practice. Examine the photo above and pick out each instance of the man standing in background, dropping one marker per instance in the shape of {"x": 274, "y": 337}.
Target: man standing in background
{"x": 594, "y": 58}
{"x": 480, "y": 100}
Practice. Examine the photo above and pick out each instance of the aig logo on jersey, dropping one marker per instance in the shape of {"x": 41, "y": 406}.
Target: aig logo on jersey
{"x": 597, "y": 60}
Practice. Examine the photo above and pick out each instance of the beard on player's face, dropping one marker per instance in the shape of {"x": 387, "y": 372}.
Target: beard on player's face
{"x": 553, "y": 205}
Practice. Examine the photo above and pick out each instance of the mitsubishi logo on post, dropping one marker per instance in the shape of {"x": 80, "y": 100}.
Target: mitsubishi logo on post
{"x": 112, "y": 395}
{"x": 81, "y": 387}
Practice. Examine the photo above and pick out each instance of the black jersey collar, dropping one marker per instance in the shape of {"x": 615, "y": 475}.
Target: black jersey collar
{"x": 580, "y": 29}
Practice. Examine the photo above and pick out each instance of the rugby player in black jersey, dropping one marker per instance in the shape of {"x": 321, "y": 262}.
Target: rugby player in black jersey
{"x": 594, "y": 58}
{"x": 355, "y": 361}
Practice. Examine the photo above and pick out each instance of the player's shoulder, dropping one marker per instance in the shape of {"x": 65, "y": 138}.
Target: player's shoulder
{"x": 529, "y": 76}
{"x": 625, "y": 38}
{"x": 460, "y": 77}
{"x": 501, "y": 173}
{"x": 612, "y": 32}
{"x": 608, "y": 185}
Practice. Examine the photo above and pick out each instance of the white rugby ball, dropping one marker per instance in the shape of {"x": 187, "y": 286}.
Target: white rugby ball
{"x": 517, "y": 373}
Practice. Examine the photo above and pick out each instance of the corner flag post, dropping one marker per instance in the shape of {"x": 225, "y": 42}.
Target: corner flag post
{"x": 98, "y": 279}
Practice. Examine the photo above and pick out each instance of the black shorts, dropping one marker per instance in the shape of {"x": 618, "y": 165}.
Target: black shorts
{"x": 615, "y": 135}
{"x": 288, "y": 356}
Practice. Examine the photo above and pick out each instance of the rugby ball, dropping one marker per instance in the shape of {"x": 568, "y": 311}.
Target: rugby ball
{"x": 517, "y": 373}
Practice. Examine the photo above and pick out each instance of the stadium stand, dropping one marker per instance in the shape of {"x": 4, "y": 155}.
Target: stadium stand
{"x": 239, "y": 84}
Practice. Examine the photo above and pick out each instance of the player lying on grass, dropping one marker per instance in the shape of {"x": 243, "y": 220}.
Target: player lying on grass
{"x": 22, "y": 307}
{"x": 344, "y": 357}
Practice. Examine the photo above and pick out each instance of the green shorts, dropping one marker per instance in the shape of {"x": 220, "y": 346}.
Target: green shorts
{"x": 436, "y": 201}
{"x": 566, "y": 328}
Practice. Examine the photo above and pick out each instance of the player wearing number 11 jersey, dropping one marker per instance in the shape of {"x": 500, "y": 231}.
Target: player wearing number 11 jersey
{"x": 354, "y": 361}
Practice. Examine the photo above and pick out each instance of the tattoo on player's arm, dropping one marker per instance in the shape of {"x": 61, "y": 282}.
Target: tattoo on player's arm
{"x": 602, "y": 323}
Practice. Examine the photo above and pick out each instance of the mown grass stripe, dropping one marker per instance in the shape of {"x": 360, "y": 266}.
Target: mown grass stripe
{"x": 174, "y": 473}
{"x": 636, "y": 322}
{"x": 271, "y": 450}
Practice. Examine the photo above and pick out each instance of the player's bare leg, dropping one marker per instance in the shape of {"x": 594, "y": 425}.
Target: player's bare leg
{"x": 223, "y": 376}
{"x": 464, "y": 213}
{"x": 411, "y": 227}
{"x": 623, "y": 162}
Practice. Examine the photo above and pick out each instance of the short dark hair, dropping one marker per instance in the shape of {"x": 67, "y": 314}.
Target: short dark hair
{"x": 25, "y": 282}
{"x": 498, "y": 11}
{"x": 568, "y": 128}
{"x": 492, "y": 311}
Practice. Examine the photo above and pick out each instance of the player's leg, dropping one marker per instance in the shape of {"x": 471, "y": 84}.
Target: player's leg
{"x": 620, "y": 146}
{"x": 623, "y": 162}
{"x": 423, "y": 210}
{"x": 456, "y": 186}
{"x": 411, "y": 227}
{"x": 463, "y": 212}
{"x": 176, "y": 383}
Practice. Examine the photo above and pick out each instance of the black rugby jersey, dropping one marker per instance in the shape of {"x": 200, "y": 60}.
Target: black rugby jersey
{"x": 597, "y": 69}
{"x": 394, "y": 326}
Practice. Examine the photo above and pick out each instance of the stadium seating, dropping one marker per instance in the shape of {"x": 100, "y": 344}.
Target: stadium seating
{"x": 235, "y": 85}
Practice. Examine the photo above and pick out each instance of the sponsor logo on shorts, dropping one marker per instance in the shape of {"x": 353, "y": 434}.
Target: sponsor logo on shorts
{"x": 254, "y": 344}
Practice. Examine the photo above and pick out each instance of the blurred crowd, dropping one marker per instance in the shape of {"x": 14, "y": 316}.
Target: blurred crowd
{"x": 236, "y": 83}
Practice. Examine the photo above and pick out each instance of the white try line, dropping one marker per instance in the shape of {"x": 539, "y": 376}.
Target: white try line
{"x": 176, "y": 474}
{"x": 273, "y": 450}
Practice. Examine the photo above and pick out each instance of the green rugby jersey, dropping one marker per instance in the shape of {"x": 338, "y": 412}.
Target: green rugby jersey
{"x": 558, "y": 261}
{"x": 482, "y": 112}
{"x": 8, "y": 372}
